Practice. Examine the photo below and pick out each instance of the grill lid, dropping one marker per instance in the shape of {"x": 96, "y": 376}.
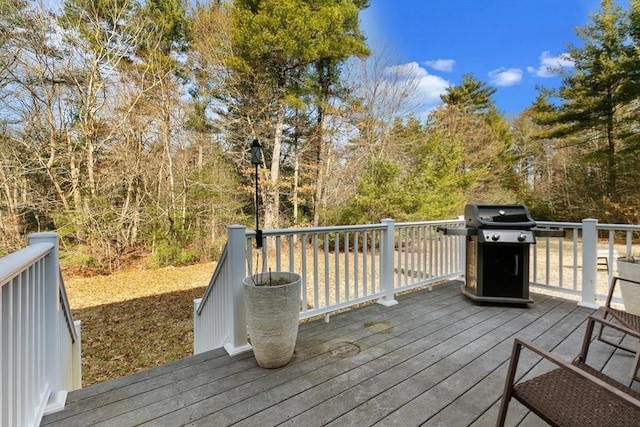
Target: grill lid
{"x": 498, "y": 216}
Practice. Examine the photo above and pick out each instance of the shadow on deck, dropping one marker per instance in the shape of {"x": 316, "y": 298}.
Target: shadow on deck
{"x": 436, "y": 358}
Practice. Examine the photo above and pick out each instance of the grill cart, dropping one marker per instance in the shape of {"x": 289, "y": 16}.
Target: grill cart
{"x": 498, "y": 241}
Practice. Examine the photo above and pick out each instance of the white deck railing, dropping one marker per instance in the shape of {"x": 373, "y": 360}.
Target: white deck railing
{"x": 340, "y": 267}
{"x": 582, "y": 263}
{"x": 347, "y": 265}
{"x": 39, "y": 342}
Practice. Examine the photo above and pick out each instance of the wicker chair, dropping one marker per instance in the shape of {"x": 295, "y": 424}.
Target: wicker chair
{"x": 619, "y": 319}
{"x": 573, "y": 394}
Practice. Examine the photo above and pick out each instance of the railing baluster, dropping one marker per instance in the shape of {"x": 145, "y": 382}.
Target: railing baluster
{"x": 336, "y": 256}
{"x": 405, "y": 256}
{"x": 314, "y": 246}
{"x": 278, "y": 253}
{"x": 611, "y": 261}
{"x": 326, "y": 263}
{"x": 433, "y": 251}
{"x": 9, "y": 370}
{"x": 397, "y": 259}
{"x": 375, "y": 247}
{"x": 356, "y": 264}
{"x": 575, "y": 258}
{"x": 291, "y": 252}
{"x": 23, "y": 335}
{"x": 547, "y": 256}
{"x": 347, "y": 271}
{"x": 415, "y": 244}
{"x": 305, "y": 284}
{"x": 365, "y": 260}
{"x": 561, "y": 260}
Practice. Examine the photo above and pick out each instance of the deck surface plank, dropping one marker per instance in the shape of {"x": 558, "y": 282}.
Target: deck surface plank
{"x": 436, "y": 358}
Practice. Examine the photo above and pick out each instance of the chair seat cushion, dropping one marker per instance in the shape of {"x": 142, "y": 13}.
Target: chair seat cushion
{"x": 631, "y": 321}
{"x": 563, "y": 398}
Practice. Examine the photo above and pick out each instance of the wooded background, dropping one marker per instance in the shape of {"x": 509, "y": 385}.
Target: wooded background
{"x": 126, "y": 126}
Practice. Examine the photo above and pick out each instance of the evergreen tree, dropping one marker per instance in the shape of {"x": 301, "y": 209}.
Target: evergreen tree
{"x": 596, "y": 95}
{"x": 471, "y": 95}
{"x": 276, "y": 44}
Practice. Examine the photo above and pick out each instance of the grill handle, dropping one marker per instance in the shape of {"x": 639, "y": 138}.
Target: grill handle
{"x": 515, "y": 273}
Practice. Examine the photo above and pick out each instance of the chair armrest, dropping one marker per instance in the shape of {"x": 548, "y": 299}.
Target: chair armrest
{"x": 519, "y": 343}
{"x": 599, "y": 318}
{"x": 614, "y": 281}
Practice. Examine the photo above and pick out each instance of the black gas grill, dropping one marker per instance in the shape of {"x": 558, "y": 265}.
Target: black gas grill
{"x": 497, "y": 252}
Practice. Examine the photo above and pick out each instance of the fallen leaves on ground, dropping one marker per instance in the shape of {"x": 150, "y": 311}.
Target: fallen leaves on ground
{"x": 135, "y": 319}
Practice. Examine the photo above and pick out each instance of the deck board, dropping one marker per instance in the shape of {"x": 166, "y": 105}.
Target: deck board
{"x": 436, "y": 358}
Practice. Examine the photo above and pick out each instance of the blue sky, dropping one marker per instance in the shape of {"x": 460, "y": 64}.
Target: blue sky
{"x": 507, "y": 44}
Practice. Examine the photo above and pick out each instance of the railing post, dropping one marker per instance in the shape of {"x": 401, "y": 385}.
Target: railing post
{"x": 462, "y": 251}
{"x": 52, "y": 312}
{"x": 236, "y": 246}
{"x": 387, "y": 244}
{"x": 589, "y": 262}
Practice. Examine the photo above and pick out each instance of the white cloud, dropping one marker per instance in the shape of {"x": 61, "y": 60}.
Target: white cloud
{"x": 409, "y": 70}
{"x": 548, "y": 62}
{"x": 441, "y": 64}
{"x": 505, "y": 77}
{"x": 425, "y": 88}
{"x": 431, "y": 87}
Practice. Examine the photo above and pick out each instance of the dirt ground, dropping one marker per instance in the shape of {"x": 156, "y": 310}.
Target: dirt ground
{"x": 135, "y": 319}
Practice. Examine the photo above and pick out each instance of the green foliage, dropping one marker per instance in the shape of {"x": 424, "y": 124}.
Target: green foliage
{"x": 167, "y": 254}
{"x": 594, "y": 113}
{"x": 471, "y": 95}
{"x": 79, "y": 259}
{"x": 424, "y": 179}
{"x": 101, "y": 23}
{"x": 378, "y": 196}
{"x": 107, "y": 149}
{"x": 169, "y": 17}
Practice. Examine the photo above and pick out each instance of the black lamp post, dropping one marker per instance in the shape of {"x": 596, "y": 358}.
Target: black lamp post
{"x": 256, "y": 160}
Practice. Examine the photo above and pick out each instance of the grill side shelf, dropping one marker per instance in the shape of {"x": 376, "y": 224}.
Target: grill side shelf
{"x": 457, "y": 231}
{"x": 545, "y": 232}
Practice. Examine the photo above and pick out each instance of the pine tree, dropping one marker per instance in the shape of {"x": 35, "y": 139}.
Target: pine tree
{"x": 471, "y": 95}
{"x": 596, "y": 94}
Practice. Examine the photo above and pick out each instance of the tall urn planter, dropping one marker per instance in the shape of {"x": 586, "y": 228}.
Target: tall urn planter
{"x": 629, "y": 268}
{"x": 273, "y": 312}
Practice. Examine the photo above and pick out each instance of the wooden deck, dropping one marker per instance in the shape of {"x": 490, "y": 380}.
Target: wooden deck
{"x": 435, "y": 359}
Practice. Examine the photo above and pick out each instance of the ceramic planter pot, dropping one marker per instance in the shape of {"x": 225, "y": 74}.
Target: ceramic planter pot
{"x": 630, "y": 291}
{"x": 273, "y": 312}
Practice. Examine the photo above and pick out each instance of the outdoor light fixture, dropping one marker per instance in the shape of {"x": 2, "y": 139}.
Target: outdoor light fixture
{"x": 256, "y": 160}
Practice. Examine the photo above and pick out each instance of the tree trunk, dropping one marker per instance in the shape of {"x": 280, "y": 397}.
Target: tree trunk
{"x": 296, "y": 178}
{"x": 322, "y": 152}
{"x": 74, "y": 171}
{"x": 272, "y": 191}
{"x": 611, "y": 153}
{"x": 321, "y": 172}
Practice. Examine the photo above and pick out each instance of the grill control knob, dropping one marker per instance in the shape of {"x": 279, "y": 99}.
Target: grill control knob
{"x": 495, "y": 237}
{"x": 522, "y": 237}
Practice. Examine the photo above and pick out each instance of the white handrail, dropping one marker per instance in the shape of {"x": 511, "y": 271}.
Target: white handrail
{"x": 66, "y": 307}
{"x": 15, "y": 263}
{"x": 39, "y": 357}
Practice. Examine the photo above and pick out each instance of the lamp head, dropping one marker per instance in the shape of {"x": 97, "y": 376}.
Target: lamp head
{"x": 256, "y": 153}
